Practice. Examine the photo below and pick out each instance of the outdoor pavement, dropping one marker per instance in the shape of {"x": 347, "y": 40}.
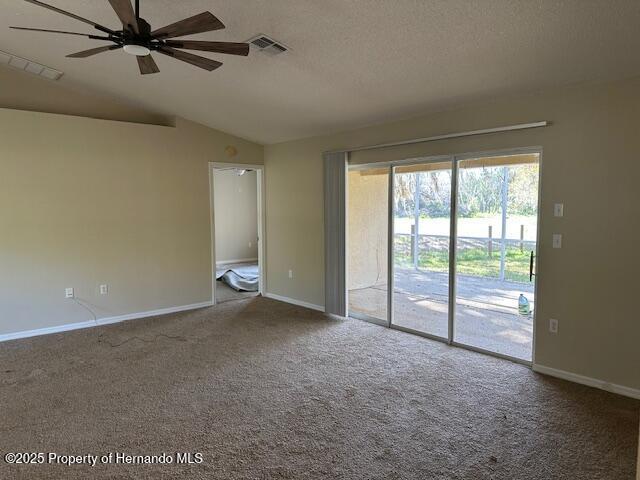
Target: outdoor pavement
{"x": 486, "y": 311}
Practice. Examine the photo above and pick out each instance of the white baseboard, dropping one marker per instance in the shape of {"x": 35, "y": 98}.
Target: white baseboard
{"x": 237, "y": 260}
{"x": 101, "y": 321}
{"x": 591, "y": 382}
{"x": 293, "y": 301}
{"x": 46, "y": 331}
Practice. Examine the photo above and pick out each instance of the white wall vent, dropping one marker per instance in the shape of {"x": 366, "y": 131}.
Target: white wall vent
{"x": 29, "y": 66}
{"x": 267, "y": 45}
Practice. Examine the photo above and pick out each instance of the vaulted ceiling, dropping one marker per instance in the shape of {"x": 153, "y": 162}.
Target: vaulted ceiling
{"x": 351, "y": 62}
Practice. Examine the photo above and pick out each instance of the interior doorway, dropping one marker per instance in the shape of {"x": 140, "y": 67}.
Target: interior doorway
{"x": 236, "y": 201}
{"x": 445, "y": 248}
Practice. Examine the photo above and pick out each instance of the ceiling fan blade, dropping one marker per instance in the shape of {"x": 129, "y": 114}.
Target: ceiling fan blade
{"x": 232, "y": 48}
{"x": 60, "y": 31}
{"x": 72, "y": 15}
{"x": 203, "y": 22}
{"x": 125, "y": 13}
{"x": 196, "y": 60}
{"x": 94, "y": 51}
{"x": 147, "y": 65}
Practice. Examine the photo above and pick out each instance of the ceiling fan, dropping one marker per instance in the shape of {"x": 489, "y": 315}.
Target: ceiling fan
{"x": 137, "y": 38}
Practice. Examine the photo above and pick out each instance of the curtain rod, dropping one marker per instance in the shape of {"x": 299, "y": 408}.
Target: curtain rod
{"x": 471, "y": 133}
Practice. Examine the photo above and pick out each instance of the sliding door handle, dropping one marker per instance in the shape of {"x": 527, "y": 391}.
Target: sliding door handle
{"x": 531, "y": 274}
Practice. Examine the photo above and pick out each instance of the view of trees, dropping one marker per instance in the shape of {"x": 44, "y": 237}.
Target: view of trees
{"x": 480, "y": 192}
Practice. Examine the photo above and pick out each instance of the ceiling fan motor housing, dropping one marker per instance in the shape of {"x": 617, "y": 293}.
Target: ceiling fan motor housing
{"x": 142, "y": 38}
{"x": 138, "y": 44}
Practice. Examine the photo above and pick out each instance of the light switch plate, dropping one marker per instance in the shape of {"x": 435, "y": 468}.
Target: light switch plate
{"x": 68, "y": 292}
{"x": 104, "y": 289}
{"x": 553, "y": 325}
{"x": 558, "y": 210}
{"x": 557, "y": 240}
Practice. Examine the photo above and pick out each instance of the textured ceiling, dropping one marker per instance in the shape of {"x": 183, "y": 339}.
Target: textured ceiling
{"x": 352, "y": 62}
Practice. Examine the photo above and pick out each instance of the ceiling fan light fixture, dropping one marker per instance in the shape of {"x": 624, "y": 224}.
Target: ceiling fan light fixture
{"x": 137, "y": 50}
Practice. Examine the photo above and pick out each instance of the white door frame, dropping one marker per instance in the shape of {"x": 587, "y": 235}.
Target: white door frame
{"x": 261, "y": 221}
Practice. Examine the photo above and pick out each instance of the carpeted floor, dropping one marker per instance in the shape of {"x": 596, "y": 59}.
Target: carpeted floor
{"x": 266, "y": 390}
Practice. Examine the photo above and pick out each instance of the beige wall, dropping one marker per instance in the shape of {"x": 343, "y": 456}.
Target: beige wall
{"x": 87, "y": 202}
{"x": 367, "y": 236}
{"x": 21, "y": 90}
{"x": 591, "y": 163}
{"x": 236, "y": 215}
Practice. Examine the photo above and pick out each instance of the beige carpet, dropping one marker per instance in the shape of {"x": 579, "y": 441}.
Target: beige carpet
{"x": 269, "y": 391}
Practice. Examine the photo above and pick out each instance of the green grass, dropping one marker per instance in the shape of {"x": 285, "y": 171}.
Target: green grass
{"x": 474, "y": 261}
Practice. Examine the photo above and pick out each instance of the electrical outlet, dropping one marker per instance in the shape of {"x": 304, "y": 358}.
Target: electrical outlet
{"x": 557, "y": 240}
{"x": 558, "y": 210}
{"x": 553, "y": 325}
{"x": 290, "y": 273}
{"x": 68, "y": 293}
{"x": 104, "y": 289}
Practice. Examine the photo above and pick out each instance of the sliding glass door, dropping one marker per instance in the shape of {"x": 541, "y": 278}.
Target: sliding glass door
{"x": 445, "y": 247}
{"x": 368, "y": 245}
{"x": 497, "y": 220}
{"x": 422, "y": 247}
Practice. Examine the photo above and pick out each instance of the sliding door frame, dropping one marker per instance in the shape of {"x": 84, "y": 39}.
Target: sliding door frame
{"x": 497, "y": 153}
{"x": 419, "y": 161}
{"x": 455, "y": 159}
{"x": 359, "y": 315}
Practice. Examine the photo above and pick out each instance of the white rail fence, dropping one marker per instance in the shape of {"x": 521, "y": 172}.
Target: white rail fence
{"x": 406, "y": 245}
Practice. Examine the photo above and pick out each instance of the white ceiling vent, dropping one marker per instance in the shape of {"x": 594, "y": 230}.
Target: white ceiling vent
{"x": 29, "y": 66}
{"x": 267, "y": 45}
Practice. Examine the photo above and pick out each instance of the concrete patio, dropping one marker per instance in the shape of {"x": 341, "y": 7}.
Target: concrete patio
{"x": 486, "y": 309}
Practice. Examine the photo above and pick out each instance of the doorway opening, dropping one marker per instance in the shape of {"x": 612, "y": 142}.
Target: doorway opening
{"x": 445, "y": 248}
{"x": 236, "y": 197}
